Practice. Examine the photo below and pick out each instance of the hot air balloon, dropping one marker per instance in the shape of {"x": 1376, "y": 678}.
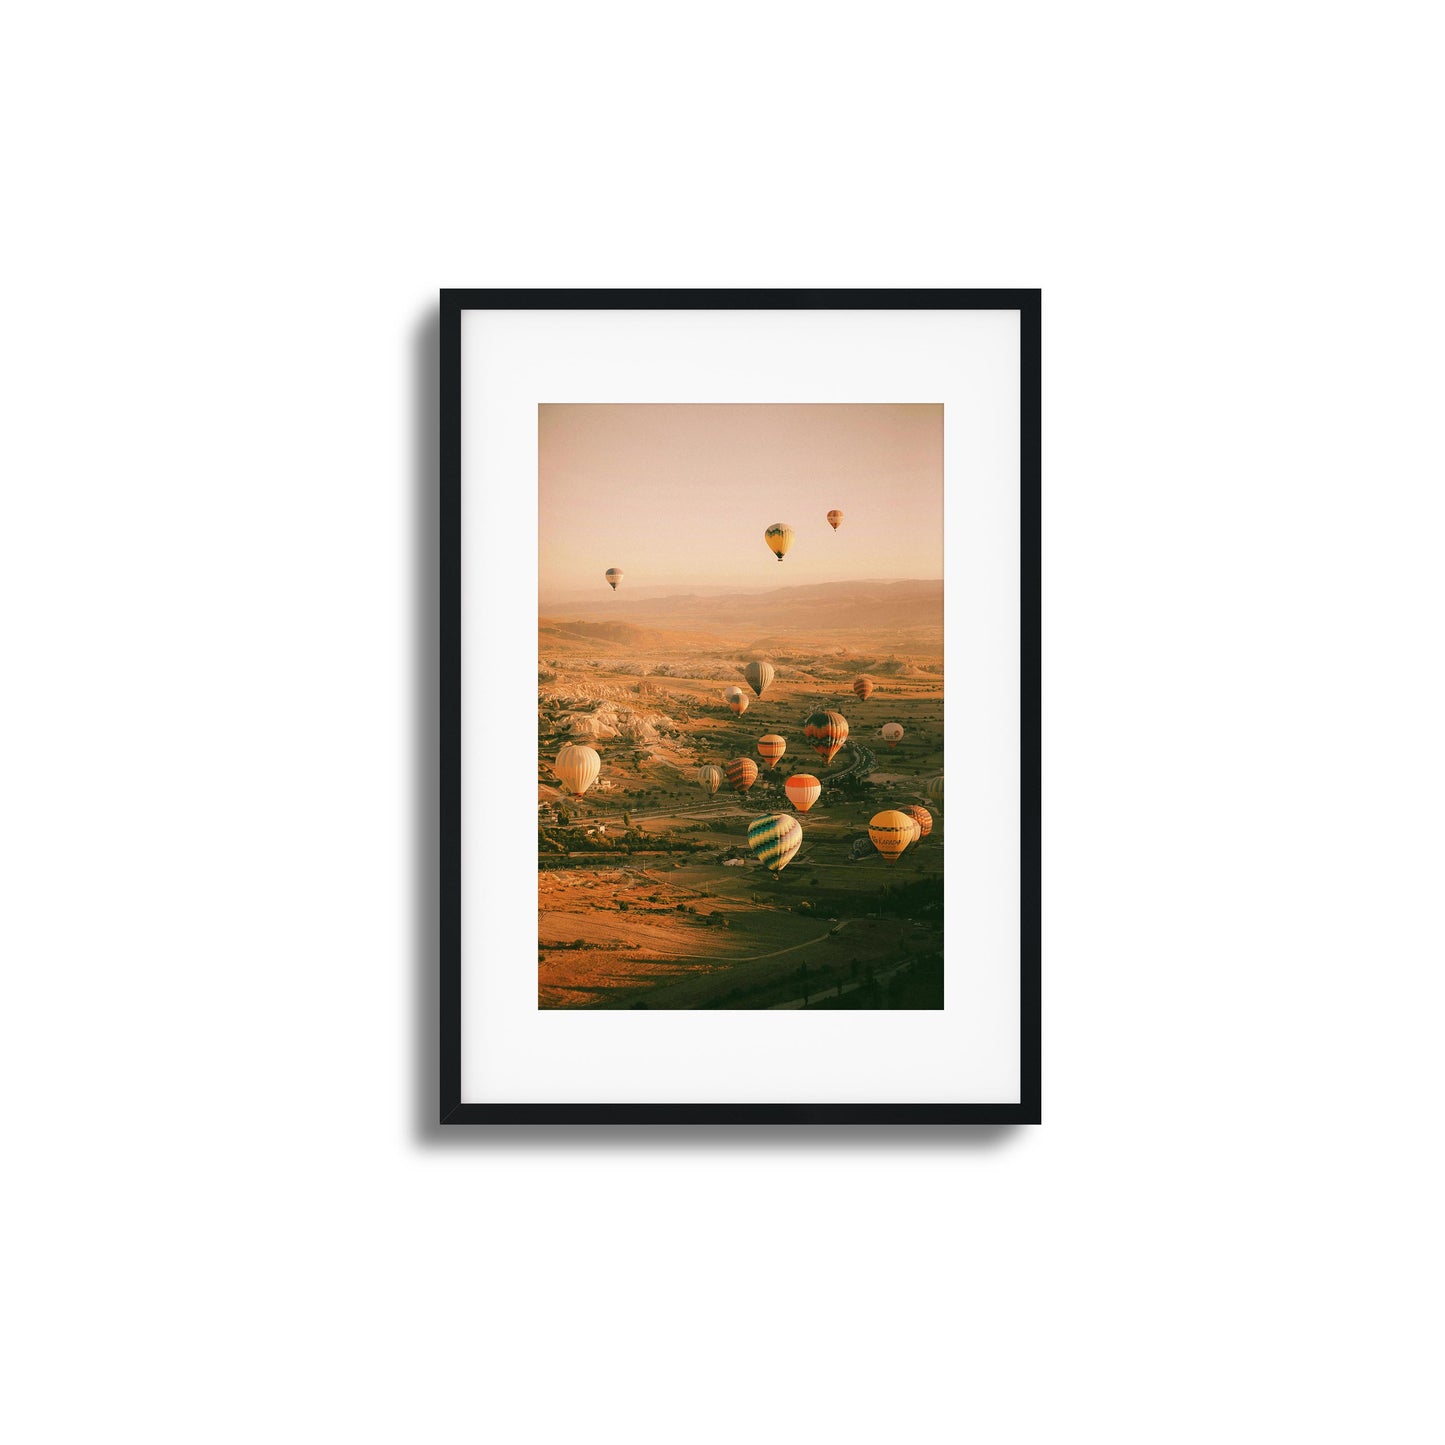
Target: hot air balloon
{"x": 890, "y": 733}
{"x": 827, "y": 731}
{"x": 742, "y": 774}
{"x": 709, "y": 778}
{"x": 933, "y": 788}
{"x": 803, "y": 790}
{"x": 614, "y": 576}
{"x": 915, "y": 829}
{"x": 923, "y": 818}
{"x": 862, "y": 848}
{"x": 834, "y": 517}
{"x": 736, "y": 699}
{"x": 864, "y": 687}
{"x": 577, "y": 767}
{"x": 770, "y": 748}
{"x": 779, "y": 538}
{"x": 759, "y": 675}
{"x": 891, "y": 832}
{"x": 774, "y": 839}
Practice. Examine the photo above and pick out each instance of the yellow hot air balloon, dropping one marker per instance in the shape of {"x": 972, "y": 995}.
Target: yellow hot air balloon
{"x": 759, "y": 675}
{"x": 770, "y": 748}
{"x": 803, "y": 790}
{"x": 577, "y": 768}
{"x": 923, "y": 818}
{"x": 614, "y": 576}
{"x": 934, "y": 789}
{"x": 779, "y": 538}
{"x": 834, "y": 517}
{"x": 864, "y": 687}
{"x": 890, "y": 733}
{"x": 736, "y": 699}
{"x": 709, "y": 778}
{"x": 891, "y": 832}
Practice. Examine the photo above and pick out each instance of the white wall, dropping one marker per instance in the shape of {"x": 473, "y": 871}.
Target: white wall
{"x": 225, "y": 1218}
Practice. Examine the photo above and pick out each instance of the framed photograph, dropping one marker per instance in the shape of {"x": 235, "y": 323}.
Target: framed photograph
{"x": 731, "y": 581}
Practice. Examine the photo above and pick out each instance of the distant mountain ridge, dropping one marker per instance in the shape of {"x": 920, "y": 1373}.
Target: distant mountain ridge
{"x": 814, "y": 607}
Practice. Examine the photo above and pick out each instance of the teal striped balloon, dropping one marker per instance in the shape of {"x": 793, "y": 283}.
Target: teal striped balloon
{"x": 775, "y": 839}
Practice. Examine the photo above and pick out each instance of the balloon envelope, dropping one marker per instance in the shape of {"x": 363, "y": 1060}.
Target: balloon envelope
{"x": 827, "y": 731}
{"x": 742, "y": 774}
{"x": 934, "y": 789}
{"x": 736, "y": 699}
{"x": 577, "y": 767}
{"x": 779, "y": 538}
{"x": 709, "y": 778}
{"x": 891, "y": 832}
{"x": 759, "y": 675}
{"x": 891, "y": 732}
{"x": 803, "y": 790}
{"x": 923, "y": 818}
{"x": 864, "y": 687}
{"x": 614, "y": 576}
{"x": 770, "y": 748}
{"x": 834, "y": 517}
{"x": 774, "y": 839}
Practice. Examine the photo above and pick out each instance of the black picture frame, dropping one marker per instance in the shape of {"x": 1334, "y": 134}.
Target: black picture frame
{"x": 453, "y": 1110}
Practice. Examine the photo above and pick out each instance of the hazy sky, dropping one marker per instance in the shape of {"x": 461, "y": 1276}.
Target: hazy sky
{"x": 677, "y": 494}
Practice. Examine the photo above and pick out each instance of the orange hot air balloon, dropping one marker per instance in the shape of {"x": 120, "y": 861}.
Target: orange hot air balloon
{"x": 891, "y": 732}
{"x": 891, "y": 832}
{"x": 827, "y": 731}
{"x": 834, "y": 517}
{"x": 803, "y": 790}
{"x": 865, "y": 688}
{"x": 614, "y": 576}
{"x": 770, "y": 748}
{"x": 736, "y": 699}
{"x": 742, "y": 774}
{"x": 923, "y": 818}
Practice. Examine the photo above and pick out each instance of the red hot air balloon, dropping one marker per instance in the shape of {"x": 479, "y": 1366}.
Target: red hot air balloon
{"x": 834, "y": 517}
{"x": 736, "y": 699}
{"x": 827, "y": 731}
{"x": 742, "y": 774}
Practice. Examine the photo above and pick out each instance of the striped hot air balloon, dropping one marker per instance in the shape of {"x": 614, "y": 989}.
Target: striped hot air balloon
{"x": 834, "y": 517}
{"x": 774, "y": 839}
{"x": 827, "y": 731}
{"x": 742, "y": 774}
{"x": 890, "y": 733}
{"x": 915, "y": 828}
{"x": 577, "y": 768}
{"x": 779, "y": 538}
{"x": 923, "y": 818}
{"x": 864, "y": 687}
{"x": 736, "y": 699}
{"x": 934, "y": 789}
{"x": 709, "y": 778}
{"x": 759, "y": 675}
{"x": 770, "y": 748}
{"x": 803, "y": 790}
{"x": 614, "y": 576}
{"x": 891, "y": 832}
